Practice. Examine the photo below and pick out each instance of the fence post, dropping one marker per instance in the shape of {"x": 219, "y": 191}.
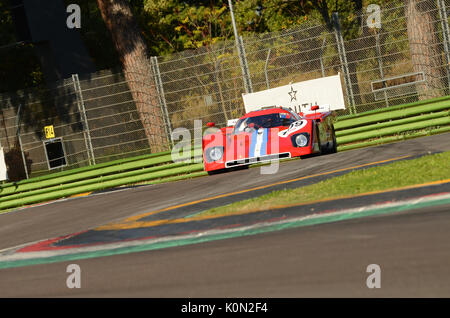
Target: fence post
{"x": 322, "y": 49}
{"x": 82, "y": 111}
{"x": 241, "y": 52}
{"x": 20, "y": 141}
{"x": 162, "y": 97}
{"x": 244, "y": 65}
{"x": 265, "y": 69}
{"x": 343, "y": 59}
{"x": 445, "y": 35}
{"x": 219, "y": 88}
{"x": 380, "y": 63}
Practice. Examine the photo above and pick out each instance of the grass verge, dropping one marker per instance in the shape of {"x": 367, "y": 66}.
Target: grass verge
{"x": 399, "y": 174}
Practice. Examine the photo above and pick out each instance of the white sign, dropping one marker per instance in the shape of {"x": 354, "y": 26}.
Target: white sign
{"x": 3, "y": 170}
{"x": 325, "y": 92}
{"x": 232, "y": 122}
{"x": 374, "y": 18}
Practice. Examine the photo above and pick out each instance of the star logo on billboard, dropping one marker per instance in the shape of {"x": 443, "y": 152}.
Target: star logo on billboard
{"x": 293, "y": 94}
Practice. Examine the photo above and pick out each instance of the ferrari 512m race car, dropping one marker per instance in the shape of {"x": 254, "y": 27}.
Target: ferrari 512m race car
{"x": 270, "y": 133}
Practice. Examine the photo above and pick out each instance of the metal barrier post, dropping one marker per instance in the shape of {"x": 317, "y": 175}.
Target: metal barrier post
{"x": 241, "y": 52}
{"x": 265, "y": 69}
{"x": 322, "y": 49}
{"x": 343, "y": 59}
{"x": 445, "y": 35}
{"x": 219, "y": 88}
{"x": 162, "y": 97}
{"x": 82, "y": 110}
{"x": 246, "y": 70}
{"x": 380, "y": 64}
{"x": 20, "y": 141}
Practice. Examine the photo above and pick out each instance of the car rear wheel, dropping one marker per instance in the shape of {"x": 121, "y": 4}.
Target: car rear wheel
{"x": 322, "y": 148}
{"x": 333, "y": 147}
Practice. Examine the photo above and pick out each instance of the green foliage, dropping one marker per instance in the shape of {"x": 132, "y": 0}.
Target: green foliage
{"x": 19, "y": 67}
{"x": 173, "y": 25}
{"x": 170, "y": 26}
{"x": 7, "y": 28}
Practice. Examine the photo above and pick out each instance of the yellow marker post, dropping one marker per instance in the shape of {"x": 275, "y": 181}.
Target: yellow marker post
{"x": 49, "y": 132}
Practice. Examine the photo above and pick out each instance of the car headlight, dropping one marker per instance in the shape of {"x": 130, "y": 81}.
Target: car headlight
{"x": 214, "y": 154}
{"x": 301, "y": 140}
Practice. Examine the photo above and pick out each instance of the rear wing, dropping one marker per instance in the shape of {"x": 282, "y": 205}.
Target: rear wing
{"x": 300, "y": 96}
{"x": 324, "y": 108}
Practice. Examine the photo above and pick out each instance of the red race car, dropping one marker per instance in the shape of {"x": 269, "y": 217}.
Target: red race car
{"x": 267, "y": 134}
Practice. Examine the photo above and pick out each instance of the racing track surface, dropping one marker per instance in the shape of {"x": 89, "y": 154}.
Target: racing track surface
{"x": 322, "y": 260}
{"x": 329, "y": 260}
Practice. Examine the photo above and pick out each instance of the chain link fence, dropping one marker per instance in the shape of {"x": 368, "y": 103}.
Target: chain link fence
{"x": 397, "y": 55}
{"x": 94, "y": 119}
{"x": 404, "y": 59}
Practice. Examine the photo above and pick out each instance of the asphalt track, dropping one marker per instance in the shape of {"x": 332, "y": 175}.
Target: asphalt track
{"x": 321, "y": 260}
{"x": 329, "y": 260}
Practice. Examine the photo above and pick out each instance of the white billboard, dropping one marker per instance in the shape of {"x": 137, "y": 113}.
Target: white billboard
{"x": 3, "y": 170}
{"x": 325, "y": 92}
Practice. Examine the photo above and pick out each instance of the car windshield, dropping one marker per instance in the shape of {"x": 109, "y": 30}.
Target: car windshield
{"x": 264, "y": 121}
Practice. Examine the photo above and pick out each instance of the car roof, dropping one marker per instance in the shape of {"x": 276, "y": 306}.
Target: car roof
{"x": 266, "y": 111}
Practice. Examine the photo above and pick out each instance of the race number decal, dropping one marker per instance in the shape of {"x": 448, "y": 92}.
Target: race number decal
{"x": 292, "y": 128}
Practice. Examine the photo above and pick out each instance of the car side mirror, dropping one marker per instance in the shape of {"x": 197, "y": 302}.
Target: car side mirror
{"x": 286, "y": 122}
{"x": 211, "y": 124}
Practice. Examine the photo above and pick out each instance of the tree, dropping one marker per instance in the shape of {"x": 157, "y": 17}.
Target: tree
{"x": 132, "y": 52}
{"x": 424, "y": 47}
{"x": 173, "y": 25}
{"x": 18, "y": 62}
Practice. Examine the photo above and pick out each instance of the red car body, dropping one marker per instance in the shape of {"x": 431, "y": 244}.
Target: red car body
{"x": 268, "y": 134}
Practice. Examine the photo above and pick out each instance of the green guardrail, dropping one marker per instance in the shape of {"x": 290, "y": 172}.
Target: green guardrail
{"x": 154, "y": 168}
{"x": 393, "y": 139}
{"x": 93, "y": 180}
{"x": 376, "y": 133}
{"x": 392, "y": 108}
{"x": 101, "y": 186}
{"x": 82, "y": 169}
{"x": 7, "y": 190}
{"x": 393, "y": 124}
{"x": 394, "y": 114}
{"x": 83, "y": 175}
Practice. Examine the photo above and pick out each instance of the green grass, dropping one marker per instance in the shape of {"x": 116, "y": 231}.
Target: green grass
{"x": 395, "y": 175}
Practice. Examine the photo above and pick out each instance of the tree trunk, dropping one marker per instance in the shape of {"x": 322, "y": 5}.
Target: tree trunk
{"x": 424, "y": 47}
{"x": 137, "y": 68}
